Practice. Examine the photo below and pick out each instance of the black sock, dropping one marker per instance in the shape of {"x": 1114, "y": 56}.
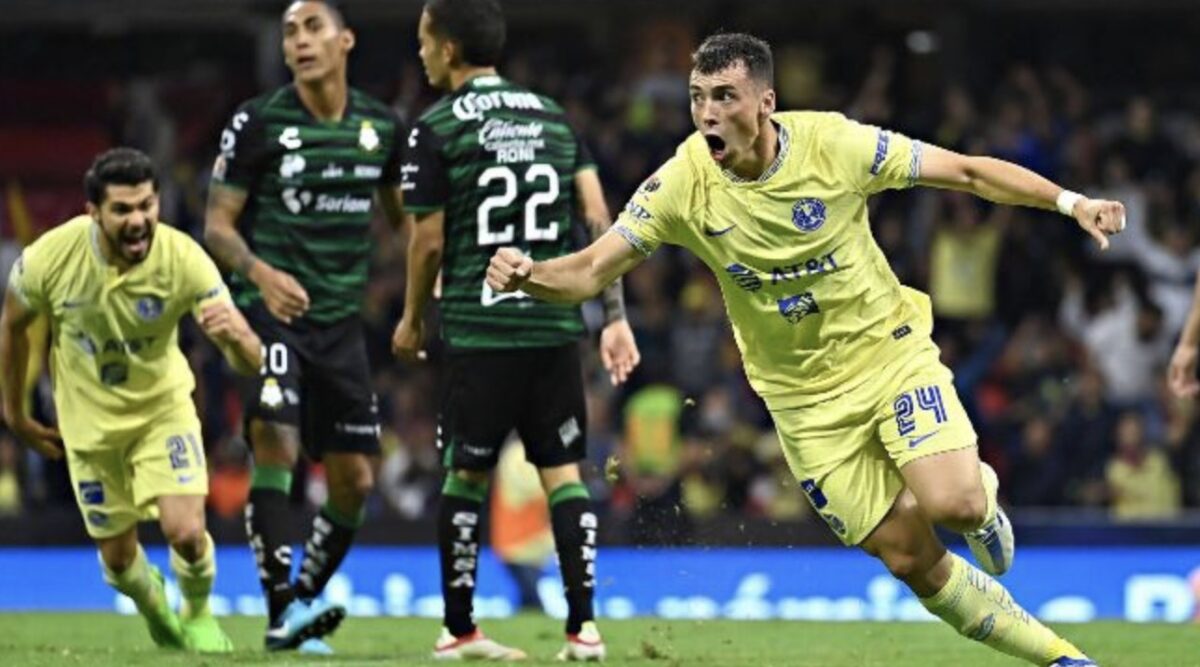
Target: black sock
{"x": 575, "y": 539}
{"x": 266, "y": 519}
{"x": 326, "y": 548}
{"x": 459, "y": 519}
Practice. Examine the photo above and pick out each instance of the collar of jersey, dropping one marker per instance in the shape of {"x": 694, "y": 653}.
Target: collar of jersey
{"x": 785, "y": 141}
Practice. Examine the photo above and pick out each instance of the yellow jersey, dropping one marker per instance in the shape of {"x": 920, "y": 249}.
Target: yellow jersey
{"x": 814, "y": 304}
{"x": 114, "y": 352}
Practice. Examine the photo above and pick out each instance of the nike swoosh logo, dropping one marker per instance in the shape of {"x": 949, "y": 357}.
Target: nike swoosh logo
{"x": 913, "y": 442}
{"x": 718, "y": 232}
{"x": 184, "y": 479}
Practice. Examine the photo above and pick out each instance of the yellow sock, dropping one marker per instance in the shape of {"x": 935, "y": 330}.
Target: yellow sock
{"x": 195, "y": 579}
{"x": 991, "y": 485}
{"x": 136, "y": 581}
{"x": 979, "y": 608}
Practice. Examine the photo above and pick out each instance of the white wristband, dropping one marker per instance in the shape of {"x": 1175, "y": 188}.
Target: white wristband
{"x": 1066, "y": 202}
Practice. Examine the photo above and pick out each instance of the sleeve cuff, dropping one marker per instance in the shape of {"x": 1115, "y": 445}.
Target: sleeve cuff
{"x": 633, "y": 239}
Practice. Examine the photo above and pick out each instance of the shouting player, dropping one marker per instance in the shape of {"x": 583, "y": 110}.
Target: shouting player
{"x": 114, "y": 284}
{"x": 493, "y": 164}
{"x": 776, "y": 205}
{"x": 298, "y": 169}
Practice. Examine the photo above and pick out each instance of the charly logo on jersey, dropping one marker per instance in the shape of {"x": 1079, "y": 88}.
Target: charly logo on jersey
{"x": 808, "y": 214}
{"x": 472, "y": 105}
{"x": 292, "y": 165}
{"x": 290, "y": 138}
{"x": 795, "y": 308}
{"x": 149, "y": 308}
{"x": 294, "y": 200}
{"x": 368, "y": 137}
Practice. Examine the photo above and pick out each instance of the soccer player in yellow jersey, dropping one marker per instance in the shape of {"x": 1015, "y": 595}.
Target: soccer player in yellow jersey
{"x": 114, "y": 284}
{"x": 775, "y": 205}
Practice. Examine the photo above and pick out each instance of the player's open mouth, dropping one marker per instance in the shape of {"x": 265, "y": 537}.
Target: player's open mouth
{"x": 716, "y": 147}
{"x": 136, "y": 244}
{"x": 306, "y": 61}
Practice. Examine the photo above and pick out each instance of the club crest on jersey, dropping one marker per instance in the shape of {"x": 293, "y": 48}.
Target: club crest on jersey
{"x": 272, "y": 395}
{"x": 808, "y": 214}
{"x": 149, "y": 308}
{"x": 368, "y": 138}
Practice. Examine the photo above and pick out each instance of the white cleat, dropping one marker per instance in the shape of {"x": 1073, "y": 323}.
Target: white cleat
{"x": 993, "y": 545}
{"x": 474, "y": 646}
{"x": 587, "y": 646}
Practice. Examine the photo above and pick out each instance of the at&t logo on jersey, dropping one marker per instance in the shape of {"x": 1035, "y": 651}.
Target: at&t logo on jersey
{"x": 808, "y": 214}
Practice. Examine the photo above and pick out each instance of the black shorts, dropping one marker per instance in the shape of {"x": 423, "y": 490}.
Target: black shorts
{"x": 487, "y": 394}
{"x": 315, "y": 377}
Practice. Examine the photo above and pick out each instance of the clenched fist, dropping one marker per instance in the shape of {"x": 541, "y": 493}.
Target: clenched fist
{"x": 1101, "y": 218}
{"x": 508, "y": 270}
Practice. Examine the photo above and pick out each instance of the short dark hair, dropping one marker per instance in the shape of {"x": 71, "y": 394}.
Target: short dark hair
{"x": 477, "y": 26}
{"x": 727, "y": 49}
{"x": 333, "y": 6}
{"x": 118, "y": 166}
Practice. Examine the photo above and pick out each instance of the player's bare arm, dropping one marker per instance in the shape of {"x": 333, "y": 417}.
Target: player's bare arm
{"x": 572, "y": 278}
{"x": 285, "y": 298}
{"x": 14, "y": 355}
{"x": 1181, "y": 374}
{"x": 618, "y": 349}
{"x": 391, "y": 201}
{"x": 1006, "y": 183}
{"x": 426, "y": 240}
{"x": 227, "y": 328}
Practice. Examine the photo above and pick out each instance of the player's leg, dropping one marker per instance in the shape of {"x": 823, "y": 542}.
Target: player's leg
{"x": 350, "y": 478}
{"x": 104, "y": 493}
{"x": 194, "y": 563}
{"x": 170, "y": 479}
{"x": 479, "y": 397}
{"x": 968, "y": 600}
{"x": 553, "y": 426}
{"x": 927, "y": 433}
{"x": 127, "y": 570}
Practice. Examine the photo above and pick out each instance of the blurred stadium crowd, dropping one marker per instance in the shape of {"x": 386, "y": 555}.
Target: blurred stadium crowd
{"x": 1059, "y": 352}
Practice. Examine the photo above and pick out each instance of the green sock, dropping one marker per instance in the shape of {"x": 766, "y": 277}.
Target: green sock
{"x": 195, "y": 579}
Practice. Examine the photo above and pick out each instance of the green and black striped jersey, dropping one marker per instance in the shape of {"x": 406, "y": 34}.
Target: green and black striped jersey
{"x": 310, "y": 186}
{"x": 500, "y": 162}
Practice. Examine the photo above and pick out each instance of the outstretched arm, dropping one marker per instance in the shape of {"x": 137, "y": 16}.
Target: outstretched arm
{"x": 14, "y": 357}
{"x": 572, "y": 278}
{"x": 1006, "y": 183}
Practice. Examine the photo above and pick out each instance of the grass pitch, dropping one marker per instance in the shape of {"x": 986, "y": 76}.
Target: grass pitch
{"x": 103, "y": 640}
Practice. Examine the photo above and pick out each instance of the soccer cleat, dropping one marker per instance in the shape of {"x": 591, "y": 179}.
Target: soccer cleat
{"x": 587, "y": 646}
{"x": 163, "y": 624}
{"x": 1074, "y": 662}
{"x": 474, "y": 646}
{"x": 301, "y": 621}
{"x": 314, "y": 646}
{"x": 993, "y": 545}
{"x": 204, "y": 635}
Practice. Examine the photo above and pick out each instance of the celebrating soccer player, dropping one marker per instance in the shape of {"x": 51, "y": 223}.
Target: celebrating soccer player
{"x": 114, "y": 284}
{"x": 776, "y": 205}
{"x": 494, "y": 164}
{"x": 298, "y": 169}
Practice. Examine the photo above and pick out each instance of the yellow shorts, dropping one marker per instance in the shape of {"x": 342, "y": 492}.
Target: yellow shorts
{"x": 847, "y": 452}
{"x": 116, "y": 485}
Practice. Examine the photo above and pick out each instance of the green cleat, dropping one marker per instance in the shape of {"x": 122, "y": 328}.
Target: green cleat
{"x": 204, "y": 635}
{"x": 163, "y": 624}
